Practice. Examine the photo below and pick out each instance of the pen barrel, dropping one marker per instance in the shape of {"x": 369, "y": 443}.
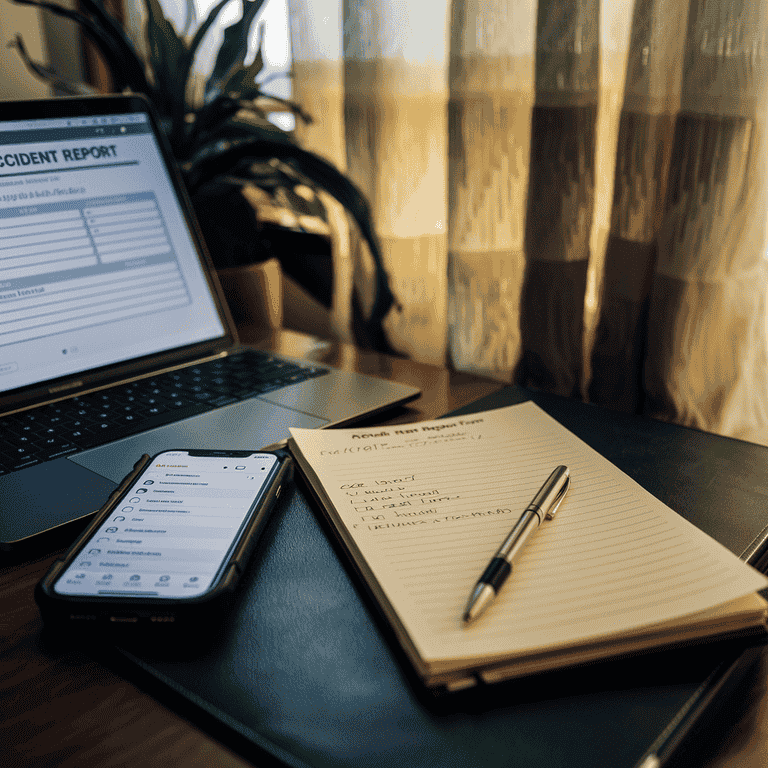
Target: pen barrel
{"x": 496, "y": 573}
{"x": 520, "y": 533}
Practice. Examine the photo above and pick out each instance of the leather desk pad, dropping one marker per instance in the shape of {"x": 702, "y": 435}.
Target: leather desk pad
{"x": 304, "y": 670}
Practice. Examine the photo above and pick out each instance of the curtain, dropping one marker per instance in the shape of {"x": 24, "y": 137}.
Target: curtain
{"x": 570, "y": 194}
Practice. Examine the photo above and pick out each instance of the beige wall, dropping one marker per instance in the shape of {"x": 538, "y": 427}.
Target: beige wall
{"x": 16, "y": 82}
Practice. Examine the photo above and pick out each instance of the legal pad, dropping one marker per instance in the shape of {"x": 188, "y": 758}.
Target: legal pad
{"x": 421, "y": 508}
{"x": 306, "y": 672}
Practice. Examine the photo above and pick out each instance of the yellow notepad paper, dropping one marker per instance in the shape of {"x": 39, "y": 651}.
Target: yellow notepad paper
{"x": 421, "y": 508}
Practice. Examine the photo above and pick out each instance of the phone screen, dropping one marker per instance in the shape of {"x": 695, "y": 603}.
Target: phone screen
{"x": 173, "y": 530}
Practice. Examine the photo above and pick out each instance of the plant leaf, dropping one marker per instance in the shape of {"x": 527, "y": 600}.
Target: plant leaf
{"x": 242, "y": 81}
{"x": 185, "y": 66}
{"x": 120, "y": 40}
{"x": 206, "y": 25}
{"x": 166, "y": 52}
{"x": 210, "y": 117}
{"x": 70, "y": 87}
{"x": 125, "y": 65}
{"x": 234, "y": 125}
{"x": 263, "y": 108}
{"x": 233, "y": 50}
{"x": 189, "y": 18}
{"x": 217, "y": 161}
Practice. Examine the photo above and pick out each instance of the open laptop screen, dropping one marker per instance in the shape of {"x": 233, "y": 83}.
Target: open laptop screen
{"x": 97, "y": 264}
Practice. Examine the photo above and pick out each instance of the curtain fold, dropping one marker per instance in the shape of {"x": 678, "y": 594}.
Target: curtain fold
{"x": 490, "y": 78}
{"x": 706, "y": 356}
{"x": 651, "y": 100}
{"x": 395, "y": 113}
{"x": 570, "y": 194}
{"x": 318, "y": 85}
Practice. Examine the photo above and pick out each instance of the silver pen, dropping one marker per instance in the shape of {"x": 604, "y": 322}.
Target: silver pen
{"x": 544, "y": 505}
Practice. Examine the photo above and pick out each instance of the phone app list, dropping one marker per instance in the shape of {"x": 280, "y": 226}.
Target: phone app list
{"x": 169, "y": 535}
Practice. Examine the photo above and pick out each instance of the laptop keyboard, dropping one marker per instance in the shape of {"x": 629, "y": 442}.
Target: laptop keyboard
{"x": 69, "y": 426}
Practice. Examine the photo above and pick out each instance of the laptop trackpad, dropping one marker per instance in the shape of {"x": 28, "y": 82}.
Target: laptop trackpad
{"x": 248, "y": 425}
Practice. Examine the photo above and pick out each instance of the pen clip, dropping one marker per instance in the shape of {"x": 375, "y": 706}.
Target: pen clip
{"x": 550, "y": 513}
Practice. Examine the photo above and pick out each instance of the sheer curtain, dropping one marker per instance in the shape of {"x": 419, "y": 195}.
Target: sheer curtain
{"x": 570, "y": 194}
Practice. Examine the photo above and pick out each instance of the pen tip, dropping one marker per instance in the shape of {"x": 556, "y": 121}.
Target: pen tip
{"x": 478, "y": 602}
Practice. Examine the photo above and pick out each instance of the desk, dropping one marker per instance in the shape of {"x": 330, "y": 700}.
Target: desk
{"x": 64, "y": 709}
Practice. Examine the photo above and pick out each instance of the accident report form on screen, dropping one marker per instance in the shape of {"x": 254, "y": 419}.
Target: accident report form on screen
{"x": 97, "y": 264}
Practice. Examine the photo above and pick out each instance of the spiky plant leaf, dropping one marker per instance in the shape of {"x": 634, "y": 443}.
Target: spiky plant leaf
{"x": 185, "y": 65}
{"x": 209, "y": 121}
{"x": 242, "y": 81}
{"x": 268, "y": 103}
{"x": 233, "y": 50}
{"x": 118, "y": 38}
{"x": 69, "y": 87}
{"x": 221, "y": 159}
{"x": 123, "y": 61}
{"x": 189, "y": 18}
{"x": 166, "y": 52}
{"x": 202, "y": 30}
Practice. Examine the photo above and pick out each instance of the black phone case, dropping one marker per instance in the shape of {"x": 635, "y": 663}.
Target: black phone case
{"x": 114, "y": 611}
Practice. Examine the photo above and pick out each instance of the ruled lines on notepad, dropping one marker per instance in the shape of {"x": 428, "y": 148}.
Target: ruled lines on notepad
{"x": 428, "y": 509}
{"x": 595, "y": 560}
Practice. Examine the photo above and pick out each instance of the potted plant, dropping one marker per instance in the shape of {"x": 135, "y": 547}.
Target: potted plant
{"x": 233, "y": 160}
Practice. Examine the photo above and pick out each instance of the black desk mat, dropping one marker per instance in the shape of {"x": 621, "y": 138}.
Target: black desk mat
{"x": 304, "y": 670}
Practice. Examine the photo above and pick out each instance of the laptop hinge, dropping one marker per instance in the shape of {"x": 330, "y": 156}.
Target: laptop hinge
{"x": 66, "y": 387}
{"x": 64, "y": 391}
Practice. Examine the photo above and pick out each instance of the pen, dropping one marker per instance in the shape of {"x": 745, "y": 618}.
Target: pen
{"x": 544, "y": 505}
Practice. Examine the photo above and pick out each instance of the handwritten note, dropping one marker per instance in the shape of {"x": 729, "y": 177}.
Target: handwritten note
{"x": 423, "y": 507}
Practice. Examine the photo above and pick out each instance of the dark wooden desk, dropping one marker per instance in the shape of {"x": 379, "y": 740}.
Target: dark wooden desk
{"x": 64, "y": 709}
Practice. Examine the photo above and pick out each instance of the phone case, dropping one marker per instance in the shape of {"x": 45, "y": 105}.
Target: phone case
{"x": 115, "y": 611}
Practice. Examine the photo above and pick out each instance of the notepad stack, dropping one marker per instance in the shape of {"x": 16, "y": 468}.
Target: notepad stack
{"x": 421, "y": 508}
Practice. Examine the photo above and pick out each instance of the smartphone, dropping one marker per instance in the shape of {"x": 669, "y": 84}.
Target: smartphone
{"x": 172, "y": 541}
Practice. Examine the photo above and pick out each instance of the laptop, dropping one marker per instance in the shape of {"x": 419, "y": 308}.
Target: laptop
{"x": 115, "y": 339}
